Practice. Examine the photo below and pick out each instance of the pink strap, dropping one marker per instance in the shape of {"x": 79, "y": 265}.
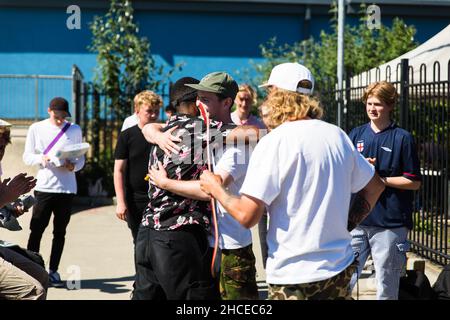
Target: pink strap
{"x": 54, "y": 141}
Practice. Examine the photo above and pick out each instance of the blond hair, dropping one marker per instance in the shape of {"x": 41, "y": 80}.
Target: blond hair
{"x": 287, "y": 105}
{"x": 247, "y": 88}
{"x": 147, "y": 97}
{"x": 382, "y": 90}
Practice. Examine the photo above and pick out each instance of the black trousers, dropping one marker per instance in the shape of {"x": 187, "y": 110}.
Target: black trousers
{"x": 61, "y": 205}
{"x": 174, "y": 265}
{"x": 134, "y": 218}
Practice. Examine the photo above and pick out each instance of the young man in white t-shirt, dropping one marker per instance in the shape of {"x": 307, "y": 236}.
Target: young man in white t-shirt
{"x": 56, "y": 182}
{"x": 304, "y": 171}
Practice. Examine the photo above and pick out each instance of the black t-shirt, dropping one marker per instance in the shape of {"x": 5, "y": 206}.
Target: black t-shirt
{"x": 132, "y": 146}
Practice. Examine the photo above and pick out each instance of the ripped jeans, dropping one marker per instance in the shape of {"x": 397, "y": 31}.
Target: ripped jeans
{"x": 388, "y": 248}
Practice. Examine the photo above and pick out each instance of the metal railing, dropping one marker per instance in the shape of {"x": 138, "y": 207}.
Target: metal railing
{"x": 24, "y": 98}
{"x": 424, "y": 110}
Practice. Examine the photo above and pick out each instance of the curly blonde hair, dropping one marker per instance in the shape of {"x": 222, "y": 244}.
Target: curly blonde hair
{"x": 147, "y": 97}
{"x": 287, "y": 105}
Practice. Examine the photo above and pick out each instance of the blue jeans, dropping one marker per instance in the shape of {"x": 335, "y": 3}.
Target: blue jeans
{"x": 388, "y": 249}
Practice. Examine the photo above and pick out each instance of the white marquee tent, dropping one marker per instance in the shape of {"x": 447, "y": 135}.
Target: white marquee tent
{"x": 435, "y": 49}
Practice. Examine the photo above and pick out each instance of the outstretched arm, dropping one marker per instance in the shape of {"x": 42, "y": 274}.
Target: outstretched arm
{"x": 401, "y": 183}
{"x": 245, "y": 209}
{"x": 185, "y": 188}
{"x": 165, "y": 140}
{"x": 245, "y": 134}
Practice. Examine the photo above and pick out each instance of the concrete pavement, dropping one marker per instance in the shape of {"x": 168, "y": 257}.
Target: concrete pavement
{"x": 99, "y": 253}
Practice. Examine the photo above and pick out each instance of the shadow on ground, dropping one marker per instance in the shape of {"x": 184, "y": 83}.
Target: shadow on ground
{"x": 78, "y": 208}
{"x": 104, "y": 285}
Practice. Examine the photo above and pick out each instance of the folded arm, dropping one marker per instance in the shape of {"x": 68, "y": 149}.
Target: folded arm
{"x": 401, "y": 183}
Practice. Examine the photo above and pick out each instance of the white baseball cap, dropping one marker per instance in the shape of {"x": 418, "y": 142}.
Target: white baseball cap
{"x": 3, "y": 123}
{"x": 287, "y": 76}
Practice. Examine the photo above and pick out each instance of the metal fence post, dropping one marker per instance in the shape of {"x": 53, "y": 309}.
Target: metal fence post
{"x": 404, "y": 89}
{"x": 95, "y": 121}
{"x": 77, "y": 79}
{"x": 347, "y": 102}
{"x": 36, "y": 98}
{"x": 84, "y": 122}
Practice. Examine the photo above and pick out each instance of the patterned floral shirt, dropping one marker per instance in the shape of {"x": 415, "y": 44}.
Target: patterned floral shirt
{"x": 166, "y": 210}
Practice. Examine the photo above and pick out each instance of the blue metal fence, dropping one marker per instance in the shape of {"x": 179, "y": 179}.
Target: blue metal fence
{"x": 25, "y": 98}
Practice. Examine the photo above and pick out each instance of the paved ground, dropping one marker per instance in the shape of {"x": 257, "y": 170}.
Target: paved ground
{"x": 99, "y": 251}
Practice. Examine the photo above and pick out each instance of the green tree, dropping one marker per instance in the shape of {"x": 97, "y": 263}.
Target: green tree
{"x": 364, "y": 49}
{"x": 125, "y": 65}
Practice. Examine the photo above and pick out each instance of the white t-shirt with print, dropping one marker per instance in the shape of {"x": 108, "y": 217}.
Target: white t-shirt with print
{"x": 305, "y": 172}
{"x": 234, "y": 161}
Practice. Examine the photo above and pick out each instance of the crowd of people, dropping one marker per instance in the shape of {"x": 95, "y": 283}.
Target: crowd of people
{"x": 191, "y": 188}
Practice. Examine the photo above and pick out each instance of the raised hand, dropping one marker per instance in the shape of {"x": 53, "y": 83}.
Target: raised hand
{"x": 10, "y": 190}
{"x": 167, "y": 141}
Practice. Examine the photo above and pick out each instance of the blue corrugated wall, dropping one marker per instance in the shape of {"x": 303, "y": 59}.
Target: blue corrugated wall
{"x": 36, "y": 41}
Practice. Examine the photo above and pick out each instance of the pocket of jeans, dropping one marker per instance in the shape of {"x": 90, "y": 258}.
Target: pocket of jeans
{"x": 241, "y": 274}
{"x": 202, "y": 290}
{"x": 400, "y": 255}
{"x": 403, "y": 246}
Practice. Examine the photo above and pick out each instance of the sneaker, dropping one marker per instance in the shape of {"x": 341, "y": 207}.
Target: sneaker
{"x": 55, "y": 280}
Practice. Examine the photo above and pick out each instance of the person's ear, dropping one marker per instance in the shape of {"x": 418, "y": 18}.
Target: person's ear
{"x": 230, "y": 102}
